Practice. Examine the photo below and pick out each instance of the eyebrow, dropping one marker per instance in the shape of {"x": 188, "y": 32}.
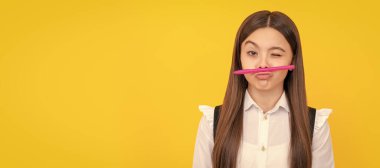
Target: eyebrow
{"x": 272, "y": 48}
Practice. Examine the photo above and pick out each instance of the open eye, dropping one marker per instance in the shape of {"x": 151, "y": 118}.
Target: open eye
{"x": 251, "y": 53}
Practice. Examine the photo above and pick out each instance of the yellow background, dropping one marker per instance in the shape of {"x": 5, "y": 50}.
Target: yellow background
{"x": 118, "y": 83}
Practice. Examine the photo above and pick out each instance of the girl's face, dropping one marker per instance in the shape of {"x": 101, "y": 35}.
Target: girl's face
{"x": 265, "y": 47}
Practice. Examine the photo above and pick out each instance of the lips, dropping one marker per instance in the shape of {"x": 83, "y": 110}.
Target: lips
{"x": 263, "y": 75}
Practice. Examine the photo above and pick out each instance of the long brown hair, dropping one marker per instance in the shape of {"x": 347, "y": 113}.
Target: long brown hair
{"x": 230, "y": 125}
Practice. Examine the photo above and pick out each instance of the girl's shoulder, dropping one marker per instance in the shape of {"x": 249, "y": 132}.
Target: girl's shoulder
{"x": 208, "y": 114}
{"x": 321, "y": 117}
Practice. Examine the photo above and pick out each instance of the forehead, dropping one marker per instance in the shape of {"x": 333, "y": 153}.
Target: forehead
{"x": 267, "y": 37}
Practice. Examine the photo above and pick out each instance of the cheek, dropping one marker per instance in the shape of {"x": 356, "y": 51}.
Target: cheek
{"x": 243, "y": 61}
{"x": 280, "y": 75}
{"x": 246, "y": 62}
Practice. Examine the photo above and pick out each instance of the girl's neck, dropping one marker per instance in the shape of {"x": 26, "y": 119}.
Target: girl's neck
{"x": 266, "y": 99}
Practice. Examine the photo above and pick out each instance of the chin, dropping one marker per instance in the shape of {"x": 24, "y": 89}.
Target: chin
{"x": 261, "y": 87}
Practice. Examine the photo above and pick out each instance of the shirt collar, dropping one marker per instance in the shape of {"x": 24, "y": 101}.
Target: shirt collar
{"x": 282, "y": 102}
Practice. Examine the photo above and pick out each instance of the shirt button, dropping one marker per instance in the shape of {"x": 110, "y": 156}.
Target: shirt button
{"x": 265, "y": 116}
{"x": 262, "y": 148}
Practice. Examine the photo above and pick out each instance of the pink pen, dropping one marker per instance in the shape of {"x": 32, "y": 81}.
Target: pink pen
{"x": 271, "y": 69}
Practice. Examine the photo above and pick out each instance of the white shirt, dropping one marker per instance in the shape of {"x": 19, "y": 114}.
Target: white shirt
{"x": 266, "y": 137}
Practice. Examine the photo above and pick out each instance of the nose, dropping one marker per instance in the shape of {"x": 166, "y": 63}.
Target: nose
{"x": 262, "y": 63}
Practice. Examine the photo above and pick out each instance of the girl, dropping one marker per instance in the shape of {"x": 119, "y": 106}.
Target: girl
{"x": 264, "y": 119}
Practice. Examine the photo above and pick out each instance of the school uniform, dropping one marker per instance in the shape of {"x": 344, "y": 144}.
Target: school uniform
{"x": 266, "y": 137}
